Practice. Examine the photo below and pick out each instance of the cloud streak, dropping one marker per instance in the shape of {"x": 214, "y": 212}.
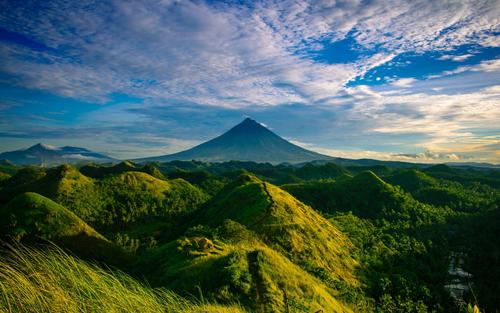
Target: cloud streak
{"x": 190, "y": 62}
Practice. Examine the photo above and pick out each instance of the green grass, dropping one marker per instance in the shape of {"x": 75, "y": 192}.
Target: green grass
{"x": 36, "y": 215}
{"x": 4, "y": 176}
{"x": 286, "y": 225}
{"x": 31, "y": 217}
{"x": 301, "y": 255}
{"x": 248, "y": 272}
{"x": 53, "y": 281}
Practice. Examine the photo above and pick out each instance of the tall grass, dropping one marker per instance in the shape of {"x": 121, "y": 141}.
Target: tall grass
{"x": 50, "y": 280}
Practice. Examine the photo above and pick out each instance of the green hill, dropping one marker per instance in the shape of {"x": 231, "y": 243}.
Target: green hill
{"x": 259, "y": 246}
{"x": 412, "y": 180}
{"x": 134, "y": 197}
{"x": 247, "y": 272}
{"x": 67, "y": 186}
{"x": 30, "y": 217}
{"x": 285, "y": 224}
{"x": 20, "y": 182}
{"x": 205, "y": 180}
{"x": 100, "y": 171}
{"x": 319, "y": 195}
{"x": 443, "y": 192}
{"x": 115, "y": 202}
{"x": 63, "y": 184}
{"x": 365, "y": 194}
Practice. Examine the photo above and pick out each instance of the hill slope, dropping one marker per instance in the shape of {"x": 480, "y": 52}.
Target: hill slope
{"x": 30, "y": 217}
{"x": 285, "y": 224}
{"x": 53, "y": 281}
{"x": 247, "y": 141}
{"x": 259, "y": 246}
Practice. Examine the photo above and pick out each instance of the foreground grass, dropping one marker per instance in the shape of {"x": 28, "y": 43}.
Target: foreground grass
{"x": 33, "y": 280}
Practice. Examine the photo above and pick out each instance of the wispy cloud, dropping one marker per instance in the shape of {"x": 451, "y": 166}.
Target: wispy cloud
{"x": 199, "y": 66}
{"x": 223, "y": 55}
{"x": 456, "y": 58}
{"x": 404, "y": 82}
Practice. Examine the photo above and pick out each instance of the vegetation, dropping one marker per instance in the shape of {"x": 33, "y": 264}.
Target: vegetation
{"x": 51, "y": 280}
{"x": 273, "y": 238}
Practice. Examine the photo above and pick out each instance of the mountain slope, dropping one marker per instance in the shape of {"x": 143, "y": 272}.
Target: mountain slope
{"x": 41, "y": 154}
{"x": 247, "y": 141}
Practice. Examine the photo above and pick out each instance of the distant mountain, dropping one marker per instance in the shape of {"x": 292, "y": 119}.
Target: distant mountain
{"x": 474, "y": 164}
{"x": 41, "y": 154}
{"x": 247, "y": 141}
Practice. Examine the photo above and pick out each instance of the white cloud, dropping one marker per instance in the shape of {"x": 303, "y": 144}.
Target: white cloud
{"x": 225, "y": 55}
{"x": 404, "y": 82}
{"x": 426, "y": 156}
{"x": 456, "y": 58}
{"x": 237, "y": 57}
{"x": 484, "y": 66}
{"x": 79, "y": 157}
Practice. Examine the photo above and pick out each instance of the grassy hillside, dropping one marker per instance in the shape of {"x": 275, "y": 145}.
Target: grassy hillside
{"x": 237, "y": 266}
{"x": 116, "y": 202}
{"x": 365, "y": 194}
{"x": 33, "y": 214}
{"x": 132, "y": 198}
{"x": 332, "y": 239}
{"x": 53, "y": 281}
{"x": 258, "y": 245}
{"x": 442, "y": 192}
{"x": 30, "y": 217}
{"x": 286, "y": 225}
{"x": 100, "y": 171}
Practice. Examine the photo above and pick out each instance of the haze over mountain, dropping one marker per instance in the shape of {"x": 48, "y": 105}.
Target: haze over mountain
{"x": 247, "y": 141}
{"x": 42, "y": 154}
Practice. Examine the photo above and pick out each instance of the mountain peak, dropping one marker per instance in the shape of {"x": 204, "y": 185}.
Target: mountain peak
{"x": 247, "y": 141}
{"x": 42, "y": 146}
{"x": 250, "y": 121}
{"x": 43, "y": 154}
{"x": 248, "y": 124}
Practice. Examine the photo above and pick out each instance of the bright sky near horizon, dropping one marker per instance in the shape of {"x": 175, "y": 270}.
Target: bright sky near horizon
{"x": 402, "y": 80}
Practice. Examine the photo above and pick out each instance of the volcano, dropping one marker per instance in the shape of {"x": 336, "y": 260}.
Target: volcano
{"x": 45, "y": 155}
{"x": 247, "y": 141}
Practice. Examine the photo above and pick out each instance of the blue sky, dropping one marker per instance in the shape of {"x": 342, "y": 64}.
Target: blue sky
{"x": 415, "y": 80}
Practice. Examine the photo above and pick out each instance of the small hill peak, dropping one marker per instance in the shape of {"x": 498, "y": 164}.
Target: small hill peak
{"x": 368, "y": 177}
{"x": 41, "y": 147}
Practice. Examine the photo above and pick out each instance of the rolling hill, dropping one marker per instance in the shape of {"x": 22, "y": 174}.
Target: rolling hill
{"x": 31, "y": 217}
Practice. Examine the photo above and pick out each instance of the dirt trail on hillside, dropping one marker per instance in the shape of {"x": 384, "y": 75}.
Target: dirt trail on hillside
{"x": 253, "y": 267}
